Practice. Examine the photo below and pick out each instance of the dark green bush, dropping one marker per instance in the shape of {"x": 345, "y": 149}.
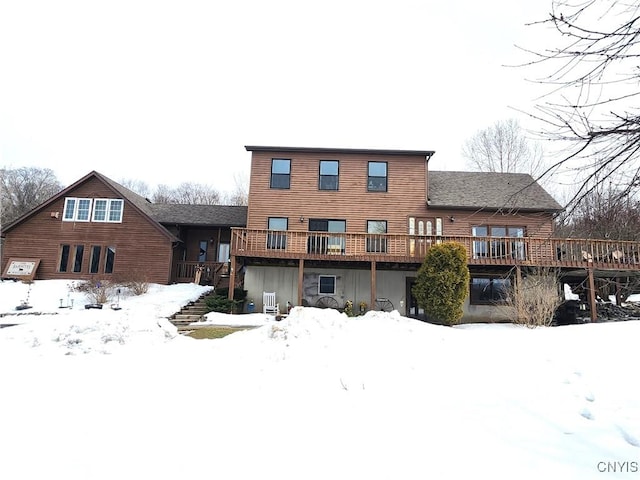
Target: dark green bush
{"x": 219, "y": 303}
{"x": 442, "y": 283}
{"x": 239, "y": 294}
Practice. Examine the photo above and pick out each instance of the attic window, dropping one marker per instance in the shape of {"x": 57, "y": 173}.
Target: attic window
{"x": 76, "y": 209}
{"x": 87, "y": 209}
{"x": 107, "y": 210}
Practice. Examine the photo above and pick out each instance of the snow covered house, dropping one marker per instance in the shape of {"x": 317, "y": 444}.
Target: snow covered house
{"x": 330, "y": 225}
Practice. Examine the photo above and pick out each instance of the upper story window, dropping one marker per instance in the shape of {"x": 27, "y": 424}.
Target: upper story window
{"x": 377, "y": 177}
{"x": 76, "y": 209}
{"x": 107, "y": 210}
{"x": 87, "y": 209}
{"x": 328, "y": 175}
{"x": 280, "y": 173}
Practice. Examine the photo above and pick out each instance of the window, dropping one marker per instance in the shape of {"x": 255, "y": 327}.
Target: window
{"x": 326, "y": 285}
{"x": 104, "y": 210}
{"x": 277, "y": 240}
{"x": 376, "y": 241}
{"x": 489, "y": 290}
{"x": 328, "y": 175}
{"x": 107, "y": 210}
{"x": 115, "y": 210}
{"x": 501, "y": 247}
{"x": 94, "y": 261}
{"x": 223, "y": 252}
{"x": 100, "y": 210}
{"x": 77, "y": 259}
{"x": 65, "y": 250}
{"x": 377, "y": 180}
{"x": 321, "y": 242}
{"x": 280, "y": 173}
{"x": 202, "y": 254}
{"x": 109, "y": 259}
{"x": 76, "y": 209}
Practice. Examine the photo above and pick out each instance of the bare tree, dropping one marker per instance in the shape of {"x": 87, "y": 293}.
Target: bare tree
{"x": 591, "y": 101}
{"x": 22, "y": 189}
{"x": 187, "y": 193}
{"x": 607, "y": 212}
{"x": 503, "y": 147}
{"x": 240, "y": 194}
{"x": 162, "y": 194}
{"x": 138, "y": 186}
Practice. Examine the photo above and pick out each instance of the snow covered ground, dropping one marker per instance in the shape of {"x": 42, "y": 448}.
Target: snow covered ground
{"x": 106, "y": 394}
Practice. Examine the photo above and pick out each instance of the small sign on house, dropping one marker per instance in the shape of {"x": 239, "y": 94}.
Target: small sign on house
{"x": 21, "y": 268}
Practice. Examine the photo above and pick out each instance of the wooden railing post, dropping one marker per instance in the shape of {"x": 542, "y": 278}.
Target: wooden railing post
{"x": 592, "y": 296}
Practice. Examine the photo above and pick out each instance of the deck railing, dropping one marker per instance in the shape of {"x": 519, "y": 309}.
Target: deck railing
{"x": 210, "y": 272}
{"x": 569, "y": 252}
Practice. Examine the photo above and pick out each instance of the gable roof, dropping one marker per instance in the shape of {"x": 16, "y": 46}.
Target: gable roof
{"x": 157, "y": 214}
{"x": 488, "y": 190}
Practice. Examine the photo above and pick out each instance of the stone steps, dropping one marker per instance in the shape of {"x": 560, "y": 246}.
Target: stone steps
{"x": 192, "y": 312}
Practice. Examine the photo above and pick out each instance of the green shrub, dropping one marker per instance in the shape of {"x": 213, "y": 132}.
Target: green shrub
{"x": 239, "y": 294}
{"x": 442, "y": 283}
{"x": 219, "y": 303}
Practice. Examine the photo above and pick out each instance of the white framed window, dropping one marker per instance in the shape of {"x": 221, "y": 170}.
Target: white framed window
{"x": 76, "y": 209}
{"x": 115, "y": 210}
{"x": 107, "y": 210}
{"x": 326, "y": 284}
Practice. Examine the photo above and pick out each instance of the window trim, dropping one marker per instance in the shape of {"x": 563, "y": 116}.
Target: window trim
{"x": 71, "y": 213}
{"x": 109, "y": 203}
{"x": 333, "y": 277}
{"x": 370, "y": 187}
{"x": 336, "y": 176}
{"x": 280, "y": 175}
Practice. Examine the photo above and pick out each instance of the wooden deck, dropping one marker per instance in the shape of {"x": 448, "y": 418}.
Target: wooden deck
{"x": 411, "y": 249}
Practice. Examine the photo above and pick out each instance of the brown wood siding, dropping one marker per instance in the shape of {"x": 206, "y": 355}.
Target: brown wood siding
{"x": 140, "y": 246}
{"x": 405, "y": 197}
{"x": 352, "y": 202}
{"x": 537, "y": 224}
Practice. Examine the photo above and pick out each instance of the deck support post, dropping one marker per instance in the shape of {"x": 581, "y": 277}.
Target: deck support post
{"x": 592, "y": 297}
{"x": 373, "y": 285}
{"x": 232, "y": 277}
{"x": 618, "y": 293}
{"x": 300, "y": 280}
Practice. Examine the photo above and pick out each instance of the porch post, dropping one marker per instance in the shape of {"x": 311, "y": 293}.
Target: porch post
{"x": 618, "y": 293}
{"x": 592, "y": 297}
{"x": 232, "y": 276}
{"x": 373, "y": 285}
{"x": 300, "y": 280}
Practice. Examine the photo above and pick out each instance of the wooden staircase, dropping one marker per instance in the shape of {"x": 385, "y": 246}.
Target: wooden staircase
{"x": 192, "y": 312}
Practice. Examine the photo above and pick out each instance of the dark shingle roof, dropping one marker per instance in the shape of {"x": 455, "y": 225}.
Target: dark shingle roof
{"x": 184, "y": 214}
{"x": 211, "y": 215}
{"x": 488, "y": 190}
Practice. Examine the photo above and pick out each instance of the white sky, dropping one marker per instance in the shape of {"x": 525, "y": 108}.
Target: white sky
{"x": 167, "y": 92}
